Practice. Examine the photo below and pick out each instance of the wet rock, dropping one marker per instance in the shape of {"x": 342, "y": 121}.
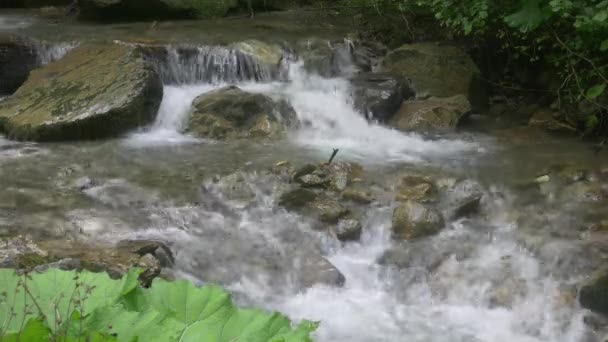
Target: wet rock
{"x": 335, "y": 176}
{"x": 235, "y": 187}
{"x": 436, "y": 70}
{"x": 582, "y": 192}
{"x": 378, "y": 95}
{"x": 592, "y": 294}
{"x": 95, "y": 91}
{"x": 416, "y": 188}
{"x": 84, "y": 183}
{"x": 317, "y": 270}
{"x": 463, "y": 199}
{"x": 297, "y": 199}
{"x": 284, "y": 170}
{"x": 151, "y": 267}
{"x": 357, "y": 195}
{"x": 329, "y": 210}
{"x": 144, "y": 247}
{"x": 268, "y": 55}
{"x": 348, "y": 230}
{"x": 432, "y": 114}
{"x": 233, "y": 113}
{"x": 154, "y": 9}
{"x": 412, "y": 220}
{"x": 547, "y": 120}
{"x": 17, "y": 58}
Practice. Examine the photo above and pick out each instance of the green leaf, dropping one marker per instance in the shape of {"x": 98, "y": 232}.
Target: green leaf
{"x": 57, "y": 293}
{"x": 604, "y": 45}
{"x": 34, "y": 331}
{"x": 601, "y": 16}
{"x": 529, "y": 17}
{"x": 595, "y": 91}
{"x": 119, "y": 310}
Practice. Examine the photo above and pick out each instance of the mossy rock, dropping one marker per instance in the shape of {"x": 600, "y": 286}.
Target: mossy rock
{"x": 436, "y": 70}
{"x": 154, "y": 9}
{"x": 95, "y": 91}
{"x": 432, "y": 114}
{"x": 412, "y": 220}
{"x": 233, "y": 113}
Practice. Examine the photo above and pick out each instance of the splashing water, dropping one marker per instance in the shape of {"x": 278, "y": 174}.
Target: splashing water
{"x": 49, "y": 52}
{"x": 324, "y": 107}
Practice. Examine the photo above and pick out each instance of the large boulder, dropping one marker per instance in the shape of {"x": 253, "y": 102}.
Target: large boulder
{"x": 234, "y": 113}
{"x": 17, "y": 58}
{"x": 147, "y": 9}
{"x": 436, "y": 70}
{"x": 95, "y": 91}
{"x": 412, "y": 220}
{"x": 378, "y": 95}
{"x": 432, "y": 114}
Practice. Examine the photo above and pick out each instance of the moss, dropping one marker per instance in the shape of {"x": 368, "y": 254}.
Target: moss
{"x": 31, "y": 260}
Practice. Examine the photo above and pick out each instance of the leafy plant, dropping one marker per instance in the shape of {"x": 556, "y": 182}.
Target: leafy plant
{"x": 68, "y": 306}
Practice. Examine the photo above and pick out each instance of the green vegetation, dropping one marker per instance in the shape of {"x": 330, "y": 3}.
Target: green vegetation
{"x": 68, "y": 306}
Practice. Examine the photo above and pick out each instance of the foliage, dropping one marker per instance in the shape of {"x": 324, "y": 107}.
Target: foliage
{"x": 68, "y": 306}
{"x": 571, "y": 36}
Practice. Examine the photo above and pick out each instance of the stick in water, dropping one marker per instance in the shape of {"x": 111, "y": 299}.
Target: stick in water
{"x": 333, "y": 155}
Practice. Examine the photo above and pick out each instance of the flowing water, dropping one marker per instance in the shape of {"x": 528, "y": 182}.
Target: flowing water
{"x": 160, "y": 183}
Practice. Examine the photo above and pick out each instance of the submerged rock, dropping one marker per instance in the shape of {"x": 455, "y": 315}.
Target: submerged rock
{"x": 17, "y": 58}
{"x": 413, "y": 220}
{"x": 435, "y": 70}
{"x": 432, "y": 114}
{"x": 233, "y": 113}
{"x": 95, "y": 91}
{"x": 162, "y": 9}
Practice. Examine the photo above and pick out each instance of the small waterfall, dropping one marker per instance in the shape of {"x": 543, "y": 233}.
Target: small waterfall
{"x": 209, "y": 64}
{"x": 49, "y": 52}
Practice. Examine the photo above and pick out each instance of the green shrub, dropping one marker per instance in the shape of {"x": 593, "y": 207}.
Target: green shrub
{"x": 69, "y": 306}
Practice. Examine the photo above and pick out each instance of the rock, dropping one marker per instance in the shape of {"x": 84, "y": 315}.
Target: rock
{"x": 153, "y": 9}
{"x": 235, "y": 187}
{"x": 297, "y": 199}
{"x": 17, "y": 58}
{"x": 95, "y": 91}
{"x": 336, "y": 176}
{"x": 269, "y": 55}
{"x": 504, "y": 293}
{"x": 463, "y": 199}
{"x": 329, "y": 210}
{"x": 546, "y": 120}
{"x": 142, "y": 247}
{"x": 151, "y": 267}
{"x": 582, "y": 191}
{"x": 413, "y": 220}
{"x": 315, "y": 270}
{"x": 233, "y": 113}
{"x": 592, "y": 294}
{"x": 416, "y": 188}
{"x": 436, "y": 70}
{"x": 357, "y": 195}
{"x": 348, "y": 230}
{"x": 377, "y": 95}
{"x": 432, "y": 114}
{"x": 332, "y": 58}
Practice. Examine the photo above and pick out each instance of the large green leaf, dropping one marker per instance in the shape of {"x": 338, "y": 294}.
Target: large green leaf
{"x": 595, "y": 91}
{"x": 119, "y": 310}
{"x": 57, "y": 294}
{"x": 529, "y": 17}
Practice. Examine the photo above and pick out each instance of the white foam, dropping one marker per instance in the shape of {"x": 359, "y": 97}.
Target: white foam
{"x": 172, "y": 115}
